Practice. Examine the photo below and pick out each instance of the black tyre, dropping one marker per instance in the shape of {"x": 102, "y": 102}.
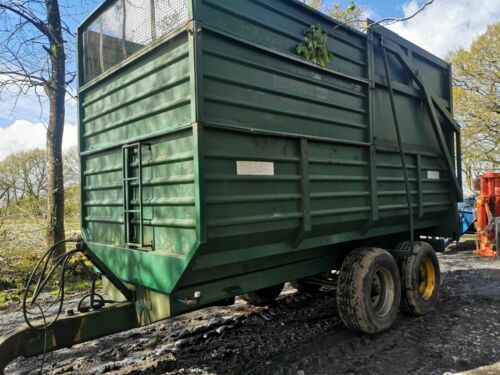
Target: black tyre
{"x": 309, "y": 286}
{"x": 420, "y": 279}
{"x": 263, "y": 297}
{"x": 368, "y": 290}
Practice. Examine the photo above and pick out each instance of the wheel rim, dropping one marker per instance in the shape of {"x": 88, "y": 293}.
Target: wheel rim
{"x": 426, "y": 279}
{"x": 382, "y": 292}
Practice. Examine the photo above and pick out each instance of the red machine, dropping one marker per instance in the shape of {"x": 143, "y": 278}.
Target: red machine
{"x": 488, "y": 216}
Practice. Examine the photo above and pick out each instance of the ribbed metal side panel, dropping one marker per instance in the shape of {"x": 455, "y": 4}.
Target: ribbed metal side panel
{"x": 269, "y": 207}
{"x": 280, "y": 25}
{"x": 249, "y": 86}
{"x": 143, "y": 103}
{"x": 240, "y": 204}
{"x": 102, "y": 197}
{"x": 430, "y": 197}
{"x": 148, "y": 96}
{"x": 259, "y": 221}
{"x": 168, "y": 195}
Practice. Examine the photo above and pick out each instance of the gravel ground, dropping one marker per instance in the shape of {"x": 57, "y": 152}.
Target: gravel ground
{"x": 303, "y": 334}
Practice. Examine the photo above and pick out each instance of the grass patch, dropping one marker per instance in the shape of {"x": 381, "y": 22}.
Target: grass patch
{"x": 22, "y": 244}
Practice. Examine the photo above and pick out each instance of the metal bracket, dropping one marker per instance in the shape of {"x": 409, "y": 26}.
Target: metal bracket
{"x": 127, "y": 293}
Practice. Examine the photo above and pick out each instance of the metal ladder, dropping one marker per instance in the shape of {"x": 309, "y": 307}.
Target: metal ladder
{"x": 132, "y": 239}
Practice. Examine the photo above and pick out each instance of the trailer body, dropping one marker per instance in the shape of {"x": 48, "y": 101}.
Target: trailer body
{"x": 215, "y": 160}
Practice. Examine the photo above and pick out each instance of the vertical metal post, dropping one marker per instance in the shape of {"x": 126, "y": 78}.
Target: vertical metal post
{"x": 305, "y": 188}
{"x": 199, "y": 161}
{"x": 458, "y": 133}
{"x": 125, "y": 193}
{"x": 152, "y": 9}
{"x": 398, "y": 136}
{"x": 124, "y": 28}
{"x": 372, "y": 152}
{"x": 458, "y": 152}
{"x": 139, "y": 174}
{"x": 101, "y": 46}
{"x": 305, "y": 193}
{"x": 81, "y": 59}
{"x": 420, "y": 186}
{"x": 127, "y": 181}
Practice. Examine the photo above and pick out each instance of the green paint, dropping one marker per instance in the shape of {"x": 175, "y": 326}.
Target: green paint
{"x": 228, "y": 87}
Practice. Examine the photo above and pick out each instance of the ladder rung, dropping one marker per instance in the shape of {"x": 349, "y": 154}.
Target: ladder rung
{"x": 129, "y": 183}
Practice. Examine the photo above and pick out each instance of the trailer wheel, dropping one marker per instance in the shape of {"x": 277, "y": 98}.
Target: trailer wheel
{"x": 263, "y": 297}
{"x": 368, "y": 290}
{"x": 420, "y": 279}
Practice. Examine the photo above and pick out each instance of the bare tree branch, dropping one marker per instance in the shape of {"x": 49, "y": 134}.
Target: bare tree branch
{"x": 20, "y": 10}
{"x": 394, "y": 20}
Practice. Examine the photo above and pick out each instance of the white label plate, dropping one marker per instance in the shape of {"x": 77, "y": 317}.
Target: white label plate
{"x": 255, "y": 168}
{"x": 433, "y": 175}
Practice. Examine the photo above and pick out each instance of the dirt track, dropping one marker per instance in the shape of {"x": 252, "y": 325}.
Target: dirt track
{"x": 303, "y": 334}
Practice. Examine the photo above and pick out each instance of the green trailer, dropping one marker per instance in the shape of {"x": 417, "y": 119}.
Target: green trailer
{"x": 216, "y": 162}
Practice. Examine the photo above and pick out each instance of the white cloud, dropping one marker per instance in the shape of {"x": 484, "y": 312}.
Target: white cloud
{"x": 447, "y": 24}
{"x": 370, "y": 13}
{"x": 25, "y": 135}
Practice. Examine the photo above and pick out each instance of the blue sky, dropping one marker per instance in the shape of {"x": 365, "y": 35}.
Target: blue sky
{"x": 441, "y": 28}
{"x": 381, "y": 8}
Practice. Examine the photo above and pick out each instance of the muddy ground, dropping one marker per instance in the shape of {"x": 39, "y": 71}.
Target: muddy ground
{"x": 303, "y": 334}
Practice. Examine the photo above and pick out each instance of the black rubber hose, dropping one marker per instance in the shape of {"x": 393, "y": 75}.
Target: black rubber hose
{"x": 64, "y": 259}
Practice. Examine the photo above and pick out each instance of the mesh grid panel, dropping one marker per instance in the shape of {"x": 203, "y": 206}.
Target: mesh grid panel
{"x": 124, "y": 28}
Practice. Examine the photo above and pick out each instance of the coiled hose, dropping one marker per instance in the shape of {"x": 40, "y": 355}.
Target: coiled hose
{"x": 41, "y": 282}
{"x": 44, "y": 275}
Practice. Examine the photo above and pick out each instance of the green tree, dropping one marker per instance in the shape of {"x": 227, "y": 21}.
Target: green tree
{"x": 23, "y": 186}
{"x": 476, "y": 97}
{"x": 33, "y": 53}
{"x": 23, "y": 214}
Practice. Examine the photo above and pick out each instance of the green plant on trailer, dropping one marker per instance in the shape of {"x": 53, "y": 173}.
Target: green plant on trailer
{"x": 314, "y": 47}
